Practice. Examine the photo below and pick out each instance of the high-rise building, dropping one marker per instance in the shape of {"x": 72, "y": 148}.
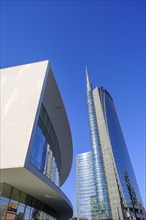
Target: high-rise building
{"x": 111, "y": 191}
{"x": 85, "y": 185}
{"x": 35, "y": 138}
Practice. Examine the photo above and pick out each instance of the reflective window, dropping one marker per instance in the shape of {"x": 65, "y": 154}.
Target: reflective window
{"x": 119, "y": 148}
{"x": 12, "y": 210}
{"x": 6, "y": 190}
{"x": 95, "y": 202}
{"x": 27, "y": 212}
{"x": 20, "y": 206}
{"x": 45, "y": 151}
{"x": 15, "y": 195}
{"x": 86, "y": 190}
{"x": 35, "y": 214}
{"x": 3, "y": 207}
{"x": 20, "y": 212}
{"x": 23, "y": 197}
{"x": 31, "y": 214}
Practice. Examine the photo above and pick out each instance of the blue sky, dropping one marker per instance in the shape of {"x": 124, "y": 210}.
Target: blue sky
{"x": 108, "y": 37}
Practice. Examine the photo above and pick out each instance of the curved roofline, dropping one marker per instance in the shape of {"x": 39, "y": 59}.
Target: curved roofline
{"x": 43, "y": 189}
{"x": 83, "y": 154}
{"x": 55, "y": 108}
{"x": 103, "y": 89}
{"x": 51, "y": 99}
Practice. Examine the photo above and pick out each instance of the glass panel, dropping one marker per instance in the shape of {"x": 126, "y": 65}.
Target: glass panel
{"x": 40, "y": 154}
{"x": 12, "y": 210}
{"x": 15, "y": 194}
{"x": 23, "y": 197}
{"x": 35, "y": 147}
{"x": 45, "y": 135}
{"x": 119, "y": 149}
{"x": 20, "y": 212}
{"x": 43, "y": 159}
{"x": 31, "y": 213}
{"x": 5, "y": 199}
{"x": 12, "y": 207}
{"x": 29, "y": 200}
{"x": 35, "y": 214}
{"x": 35, "y": 203}
{"x": 27, "y": 213}
{"x": 45, "y": 216}
{"x": 42, "y": 114}
{"x": 3, "y": 208}
{"x": 6, "y": 190}
{"x": 39, "y": 133}
{"x": 19, "y": 207}
{"x": 1, "y": 185}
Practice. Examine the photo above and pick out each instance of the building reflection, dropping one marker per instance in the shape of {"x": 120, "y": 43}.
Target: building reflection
{"x": 9, "y": 211}
{"x": 16, "y": 205}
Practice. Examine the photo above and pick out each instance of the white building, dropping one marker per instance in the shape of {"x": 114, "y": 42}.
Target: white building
{"x": 35, "y": 139}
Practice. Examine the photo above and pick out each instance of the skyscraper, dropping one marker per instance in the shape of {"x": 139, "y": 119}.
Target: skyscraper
{"x": 85, "y": 185}
{"x": 116, "y": 194}
{"x": 35, "y": 137}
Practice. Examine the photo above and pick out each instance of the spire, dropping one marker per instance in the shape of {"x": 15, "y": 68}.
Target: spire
{"x": 89, "y": 86}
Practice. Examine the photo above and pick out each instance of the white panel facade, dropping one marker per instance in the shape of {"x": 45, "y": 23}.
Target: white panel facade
{"x": 20, "y": 93}
{"x": 34, "y": 125}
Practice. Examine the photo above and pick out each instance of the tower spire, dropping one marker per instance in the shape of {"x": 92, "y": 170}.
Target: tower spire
{"x": 89, "y": 86}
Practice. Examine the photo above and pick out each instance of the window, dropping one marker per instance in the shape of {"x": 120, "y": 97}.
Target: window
{"x": 20, "y": 212}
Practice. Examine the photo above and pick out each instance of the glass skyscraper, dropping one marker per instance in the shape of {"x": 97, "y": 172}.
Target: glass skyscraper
{"x": 116, "y": 194}
{"x": 85, "y": 185}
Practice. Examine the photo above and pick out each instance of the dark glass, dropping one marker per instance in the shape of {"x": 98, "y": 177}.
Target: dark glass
{"x": 35, "y": 203}
{"x": 6, "y": 190}
{"x": 119, "y": 149}
{"x": 1, "y": 186}
{"x": 23, "y": 197}
{"x": 29, "y": 200}
{"x": 20, "y": 206}
{"x": 15, "y": 195}
{"x": 35, "y": 214}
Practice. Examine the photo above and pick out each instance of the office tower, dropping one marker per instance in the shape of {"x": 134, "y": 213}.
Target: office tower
{"x": 35, "y": 138}
{"x": 85, "y": 185}
{"x": 116, "y": 193}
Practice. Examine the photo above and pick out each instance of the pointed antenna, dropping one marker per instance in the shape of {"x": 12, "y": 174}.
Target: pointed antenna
{"x": 89, "y": 86}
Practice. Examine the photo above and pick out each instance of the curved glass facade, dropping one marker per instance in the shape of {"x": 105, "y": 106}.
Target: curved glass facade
{"x": 86, "y": 192}
{"x": 45, "y": 154}
{"x": 99, "y": 172}
{"x": 106, "y": 181}
{"x": 17, "y": 205}
{"x": 119, "y": 149}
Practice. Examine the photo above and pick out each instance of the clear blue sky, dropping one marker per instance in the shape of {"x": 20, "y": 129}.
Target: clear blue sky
{"x": 108, "y": 37}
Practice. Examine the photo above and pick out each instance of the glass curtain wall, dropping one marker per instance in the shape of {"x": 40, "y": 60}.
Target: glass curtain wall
{"x": 86, "y": 193}
{"x": 99, "y": 172}
{"x": 119, "y": 148}
{"x": 45, "y": 154}
{"x": 17, "y": 205}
